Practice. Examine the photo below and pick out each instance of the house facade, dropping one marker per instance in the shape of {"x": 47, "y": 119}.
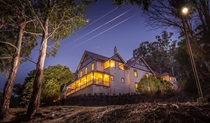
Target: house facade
{"x": 97, "y": 74}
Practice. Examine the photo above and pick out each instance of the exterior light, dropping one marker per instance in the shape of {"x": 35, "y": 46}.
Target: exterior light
{"x": 185, "y": 10}
{"x": 189, "y": 49}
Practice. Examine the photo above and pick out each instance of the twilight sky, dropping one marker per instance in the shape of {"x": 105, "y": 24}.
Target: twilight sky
{"x": 109, "y": 26}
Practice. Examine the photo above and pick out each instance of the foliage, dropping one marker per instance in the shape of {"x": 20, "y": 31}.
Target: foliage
{"x": 13, "y": 15}
{"x": 154, "y": 86}
{"x": 167, "y": 13}
{"x": 54, "y": 77}
{"x": 141, "y": 3}
{"x": 159, "y": 54}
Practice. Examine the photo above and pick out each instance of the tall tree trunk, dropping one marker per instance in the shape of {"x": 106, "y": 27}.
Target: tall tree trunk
{"x": 4, "y": 111}
{"x": 36, "y": 94}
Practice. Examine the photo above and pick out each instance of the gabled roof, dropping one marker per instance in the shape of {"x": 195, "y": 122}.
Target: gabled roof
{"x": 117, "y": 57}
{"x": 132, "y": 61}
{"x": 96, "y": 56}
{"x": 92, "y": 55}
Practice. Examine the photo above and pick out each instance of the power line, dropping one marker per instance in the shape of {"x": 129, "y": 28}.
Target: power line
{"x": 106, "y": 30}
{"x": 103, "y": 25}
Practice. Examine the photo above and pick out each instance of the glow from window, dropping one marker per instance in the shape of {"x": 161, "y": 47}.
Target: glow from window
{"x": 147, "y": 75}
{"x": 135, "y": 73}
{"x": 80, "y": 74}
{"x": 106, "y": 64}
{"x": 121, "y": 66}
{"x": 122, "y": 80}
{"x": 109, "y": 63}
{"x": 136, "y": 86}
{"x": 112, "y": 63}
{"x": 92, "y": 66}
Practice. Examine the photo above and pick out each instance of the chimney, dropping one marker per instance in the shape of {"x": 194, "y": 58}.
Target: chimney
{"x": 115, "y": 50}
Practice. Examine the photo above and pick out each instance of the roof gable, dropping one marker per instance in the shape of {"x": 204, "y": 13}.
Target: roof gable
{"x": 88, "y": 57}
{"x": 118, "y": 58}
{"x": 139, "y": 64}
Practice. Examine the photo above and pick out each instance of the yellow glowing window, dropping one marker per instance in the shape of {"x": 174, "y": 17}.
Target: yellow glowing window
{"x": 106, "y": 80}
{"x": 147, "y": 75}
{"x": 135, "y": 73}
{"x": 86, "y": 70}
{"x": 80, "y": 74}
{"x": 170, "y": 78}
{"x": 112, "y": 63}
{"x": 106, "y": 64}
{"x": 122, "y": 80}
{"x": 136, "y": 86}
{"x": 121, "y": 66}
{"x": 92, "y": 66}
{"x": 164, "y": 78}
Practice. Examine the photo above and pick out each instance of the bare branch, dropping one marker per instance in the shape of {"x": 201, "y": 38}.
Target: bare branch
{"x": 9, "y": 44}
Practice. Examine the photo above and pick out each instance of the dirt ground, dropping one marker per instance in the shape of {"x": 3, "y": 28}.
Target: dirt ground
{"x": 131, "y": 113}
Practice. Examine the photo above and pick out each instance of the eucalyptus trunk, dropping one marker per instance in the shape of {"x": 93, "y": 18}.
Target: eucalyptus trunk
{"x": 4, "y": 111}
{"x": 36, "y": 94}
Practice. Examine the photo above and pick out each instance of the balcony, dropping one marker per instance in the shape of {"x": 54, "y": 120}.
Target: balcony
{"x": 96, "y": 78}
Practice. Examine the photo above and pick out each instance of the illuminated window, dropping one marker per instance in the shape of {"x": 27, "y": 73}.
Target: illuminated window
{"x": 106, "y": 80}
{"x": 121, "y": 66}
{"x": 92, "y": 66}
{"x": 86, "y": 70}
{"x": 80, "y": 74}
{"x": 112, "y": 63}
{"x": 109, "y": 63}
{"x": 106, "y": 64}
{"x": 136, "y": 86}
{"x": 164, "y": 78}
{"x": 135, "y": 73}
{"x": 112, "y": 78}
{"x": 122, "y": 80}
{"x": 170, "y": 78}
{"x": 147, "y": 75}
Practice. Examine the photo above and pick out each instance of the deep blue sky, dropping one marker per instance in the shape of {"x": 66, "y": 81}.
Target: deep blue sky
{"x": 125, "y": 32}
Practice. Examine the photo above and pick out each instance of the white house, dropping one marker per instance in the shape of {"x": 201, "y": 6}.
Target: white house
{"x": 97, "y": 74}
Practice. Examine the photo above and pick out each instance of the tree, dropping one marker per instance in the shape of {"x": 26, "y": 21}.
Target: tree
{"x": 159, "y": 54}
{"x": 141, "y": 3}
{"x": 58, "y": 20}
{"x": 168, "y": 14}
{"x": 154, "y": 86}
{"x": 14, "y": 23}
{"x": 54, "y": 77}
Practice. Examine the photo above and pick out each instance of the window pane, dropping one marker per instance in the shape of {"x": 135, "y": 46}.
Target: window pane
{"x": 135, "y": 73}
{"x": 123, "y": 80}
{"x": 121, "y": 66}
{"x": 106, "y": 64}
{"x": 92, "y": 66}
{"x": 106, "y": 80}
{"x": 112, "y": 63}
